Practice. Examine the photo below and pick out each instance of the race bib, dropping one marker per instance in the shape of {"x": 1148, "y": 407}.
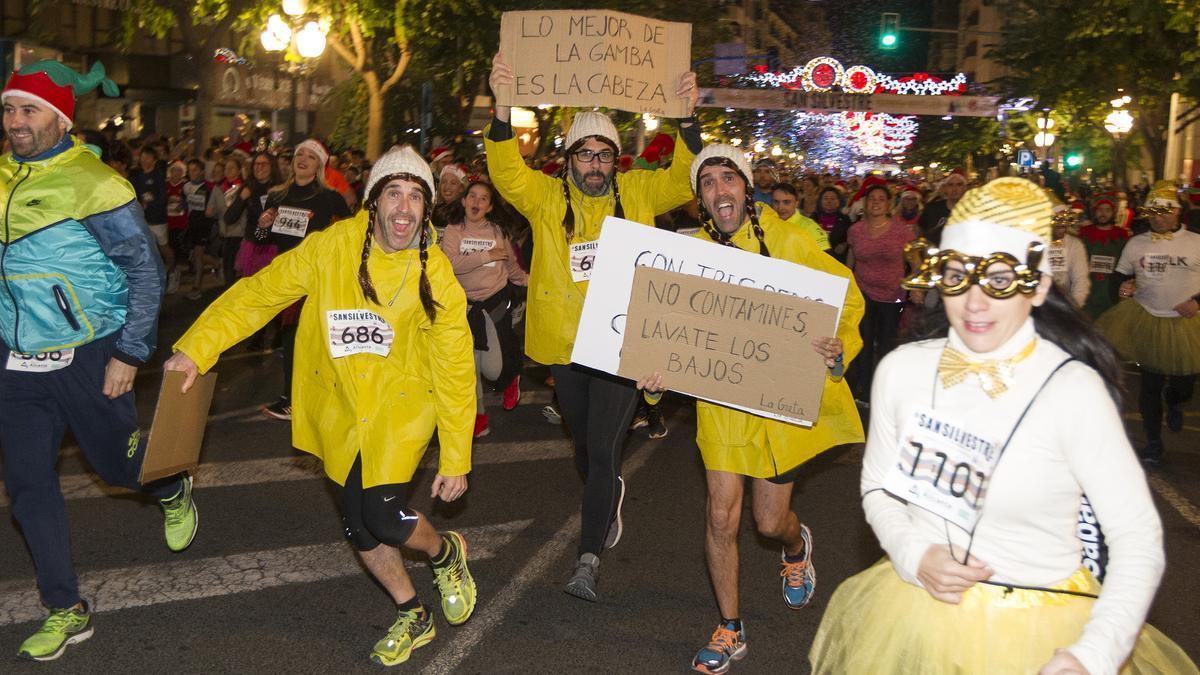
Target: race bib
{"x": 1154, "y": 265}
{"x": 942, "y": 467}
{"x": 1058, "y": 259}
{"x": 196, "y": 201}
{"x": 175, "y": 206}
{"x": 583, "y": 259}
{"x": 40, "y": 363}
{"x": 469, "y": 246}
{"x": 358, "y": 331}
{"x": 1102, "y": 264}
{"x": 291, "y": 221}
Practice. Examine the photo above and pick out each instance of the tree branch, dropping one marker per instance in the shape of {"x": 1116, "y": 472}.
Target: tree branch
{"x": 401, "y": 66}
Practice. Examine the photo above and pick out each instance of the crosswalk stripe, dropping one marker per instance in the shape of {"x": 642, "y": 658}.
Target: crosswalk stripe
{"x": 306, "y": 467}
{"x": 144, "y": 585}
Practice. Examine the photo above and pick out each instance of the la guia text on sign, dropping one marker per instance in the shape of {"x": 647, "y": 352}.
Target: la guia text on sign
{"x": 595, "y": 58}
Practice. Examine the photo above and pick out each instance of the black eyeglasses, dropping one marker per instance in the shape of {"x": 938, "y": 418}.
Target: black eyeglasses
{"x": 605, "y": 156}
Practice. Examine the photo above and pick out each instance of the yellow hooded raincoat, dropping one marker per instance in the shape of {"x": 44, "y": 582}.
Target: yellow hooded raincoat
{"x": 555, "y": 300}
{"x": 738, "y": 442}
{"x": 384, "y": 407}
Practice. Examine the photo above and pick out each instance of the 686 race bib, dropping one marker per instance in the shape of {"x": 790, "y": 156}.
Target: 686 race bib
{"x": 291, "y": 221}
{"x": 583, "y": 259}
{"x": 358, "y": 331}
{"x": 40, "y": 363}
{"x": 943, "y": 467}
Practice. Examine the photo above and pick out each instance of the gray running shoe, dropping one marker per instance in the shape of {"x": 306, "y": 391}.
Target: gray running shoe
{"x": 583, "y": 583}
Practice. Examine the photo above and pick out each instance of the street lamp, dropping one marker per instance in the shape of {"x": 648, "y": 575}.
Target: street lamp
{"x": 1044, "y": 138}
{"x": 1118, "y": 123}
{"x": 308, "y": 43}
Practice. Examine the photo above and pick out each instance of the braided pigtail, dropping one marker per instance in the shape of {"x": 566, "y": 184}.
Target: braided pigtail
{"x": 426, "y": 292}
{"x": 619, "y": 210}
{"x": 364, "y": 276}
{"x": 569, "y": 217}
{"x": 755, "y": 226}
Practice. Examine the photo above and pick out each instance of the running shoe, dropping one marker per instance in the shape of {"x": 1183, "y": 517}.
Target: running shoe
{"x": 799, "y": 578}
{"x": 726, "y": 646}
{"x": 658, "y": 426}
{"x": 454, "y": 581}
{"x": 551, "y": 414}
{"x": 512, "y": 393}
{"x": 279, "y": 410}
{"x": 640, "y": 419}
{"x": 1151, "y": 453}
{"x": 63, "y": 628}
{"x": 411, "y": 630}
{"x": 587, "y": 573}
{"x": 180, "y": 517}
{"x": 1175, "y": 418}
{"x": 481, "y": 426}
{"x": 616, "y": 527}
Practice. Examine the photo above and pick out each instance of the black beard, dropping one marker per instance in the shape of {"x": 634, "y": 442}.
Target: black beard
{"x": 580, "y": 180}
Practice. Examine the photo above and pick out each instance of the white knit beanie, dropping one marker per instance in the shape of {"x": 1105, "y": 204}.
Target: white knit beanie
{"x": 592, "y": 124}
{"x": 720, "y": 150}
{"x": 402, "y": 160}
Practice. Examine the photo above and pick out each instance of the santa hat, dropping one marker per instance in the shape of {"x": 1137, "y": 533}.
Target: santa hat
{"x": 455, "y": 170}
{"x": 56, "y": 86}
{"x": 656, "y": 152}
{"x": 315, "y": 147}
{"x": 1109, "y": 198}
{"x": 720, "y": 150}
{"x": 866, "y": 185}
{"x": 401, "y": 160}
{"x": 587, "y": 124}
{"x": 437, "y": 152}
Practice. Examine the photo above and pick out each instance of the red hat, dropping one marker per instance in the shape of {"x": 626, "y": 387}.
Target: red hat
{"x": 1109, "y": 198}
{"x": 866, "y": 184}
{"x": 551, "y": 168}
{"x": 438, "y": 152}
{"x": 659, "y": 149}
{"x": 54, "y": 85}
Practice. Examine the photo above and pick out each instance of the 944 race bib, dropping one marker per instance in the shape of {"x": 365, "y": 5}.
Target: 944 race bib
{"x": 583, "y": 259}
{"x": 291, "y": 221}
{"x": 358, "y": 331}
{"x": 943, "y": 467}
{"x": 40, "y": 363}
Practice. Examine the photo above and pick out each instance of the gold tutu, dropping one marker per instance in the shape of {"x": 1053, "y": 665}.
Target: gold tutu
{"x": 1167, "y": 345}
{"x": 878, "y": 624}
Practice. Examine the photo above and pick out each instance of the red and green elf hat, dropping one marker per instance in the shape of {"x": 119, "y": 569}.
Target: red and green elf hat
{"x": 56, "y": 86}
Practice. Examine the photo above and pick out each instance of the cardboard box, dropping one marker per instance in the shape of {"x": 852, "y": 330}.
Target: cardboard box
{"x": 177, "y": 431}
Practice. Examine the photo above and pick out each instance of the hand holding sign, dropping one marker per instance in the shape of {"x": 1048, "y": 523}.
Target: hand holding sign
{"x": 501, "y": 79}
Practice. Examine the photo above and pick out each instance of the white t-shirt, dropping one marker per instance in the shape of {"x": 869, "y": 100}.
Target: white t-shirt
{"x": 1072, "y": 441}
{"x": 1167, "y": 271}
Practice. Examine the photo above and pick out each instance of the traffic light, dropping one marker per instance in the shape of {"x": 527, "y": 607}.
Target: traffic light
{"x": 1074, "y": 160}
{"x": 889, "y": 30}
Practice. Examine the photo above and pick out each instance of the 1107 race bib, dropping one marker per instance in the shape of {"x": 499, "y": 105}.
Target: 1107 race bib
{"x": 583, "y": 259}
{"x": 40, "y": 363}
{"x": 358, "y": 331}
{"x": 291, "y": 221}
{"x": 943, "y": 467}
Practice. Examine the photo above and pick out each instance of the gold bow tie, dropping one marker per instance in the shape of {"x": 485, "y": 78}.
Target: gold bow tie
{"x": 1161, "y": 236}
{"x": 994, "y": 374}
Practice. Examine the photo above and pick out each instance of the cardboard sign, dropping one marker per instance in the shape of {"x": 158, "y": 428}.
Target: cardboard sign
{"x": 178, "y": 428}
{"x": 734, "y": 345}
{"x": 586, "y": 58}
{"x": 626, "y": 245}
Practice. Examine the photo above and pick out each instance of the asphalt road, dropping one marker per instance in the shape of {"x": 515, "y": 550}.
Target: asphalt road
{"x": 269, "y": 586}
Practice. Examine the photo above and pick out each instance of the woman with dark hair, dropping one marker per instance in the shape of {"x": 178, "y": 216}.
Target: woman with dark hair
{"x": 877, "y": 257}
{"x": 983, "y": 440}
{"x": 385, "y": 358}
{"x": 247, "y": 205}
{"x": 830, "y": 217}
{"x": 485, "y": 264}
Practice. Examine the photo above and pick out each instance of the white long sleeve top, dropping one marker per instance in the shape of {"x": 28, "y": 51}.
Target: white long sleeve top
{"x": 1069, "y": 267}
{"x": 1071, "y": 442}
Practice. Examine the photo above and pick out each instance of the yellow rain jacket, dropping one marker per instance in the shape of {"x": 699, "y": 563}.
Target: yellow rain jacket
{"x": 384, "y": 407}
{"x": 555, "y": 300}
{"x": 738, "y": 442}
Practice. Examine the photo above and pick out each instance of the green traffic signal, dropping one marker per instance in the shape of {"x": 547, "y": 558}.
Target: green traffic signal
{"x": 888, "y": 40}
{"x": 1074, "y": 160}
{"x": 889, "y": 30}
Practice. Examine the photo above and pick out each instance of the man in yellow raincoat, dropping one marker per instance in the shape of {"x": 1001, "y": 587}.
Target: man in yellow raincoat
{"x": 566, "y": 213}
{"x": 736, "y": 444}
{"x": 384, "y": 355}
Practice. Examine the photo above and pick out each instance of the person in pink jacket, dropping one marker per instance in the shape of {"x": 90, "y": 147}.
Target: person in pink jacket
{"x": 485, "y": 264}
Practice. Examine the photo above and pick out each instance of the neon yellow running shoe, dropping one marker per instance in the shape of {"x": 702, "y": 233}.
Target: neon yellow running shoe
{"x": 412, "y": 629}
{"x": 64, "y": 627}
{"x": 180, "y": 517}
{"x": 454, "y": 581}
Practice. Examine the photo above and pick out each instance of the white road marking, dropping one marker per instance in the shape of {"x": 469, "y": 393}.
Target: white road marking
{"x": 306, "y": 467}
{"x": 1181, "y": 504}
{"x": 144, "y": 585}
{"x": 490, "y": 614}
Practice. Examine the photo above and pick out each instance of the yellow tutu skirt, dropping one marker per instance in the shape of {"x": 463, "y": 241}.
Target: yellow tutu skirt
{"x": 1167, "y": 345}
{"x": 878, "y": 624}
